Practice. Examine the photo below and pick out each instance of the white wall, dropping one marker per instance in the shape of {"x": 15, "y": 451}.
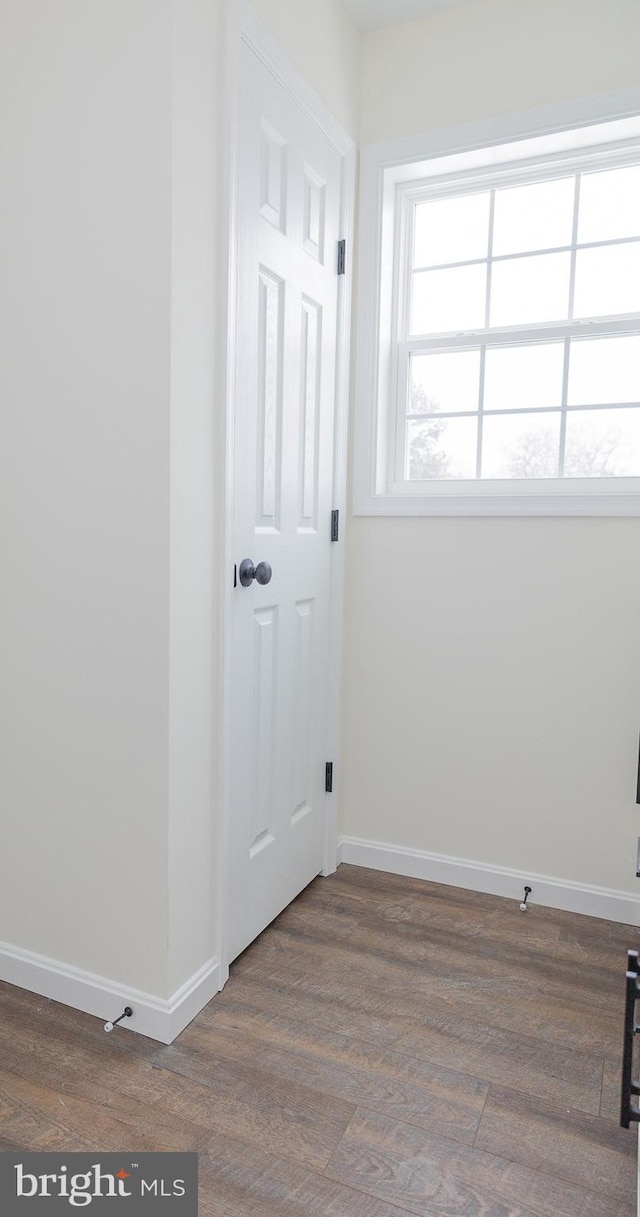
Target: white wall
{"x": 107, "y": 242}
{"x": 491, "y": 692}
{"x": 492, "y": 670}
{"x": 85, "y": 111}
{"x": 492, "y": 57}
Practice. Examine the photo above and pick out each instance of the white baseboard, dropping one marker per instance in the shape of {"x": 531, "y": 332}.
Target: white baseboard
{"x": 497, "y": 880}
{"x": 158, "y": 1018}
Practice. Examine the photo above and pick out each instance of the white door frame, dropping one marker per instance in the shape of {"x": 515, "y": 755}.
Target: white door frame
{"x": 244, "y": 27}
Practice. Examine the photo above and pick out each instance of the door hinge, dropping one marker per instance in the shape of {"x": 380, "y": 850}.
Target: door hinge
{"x": 342, "y": 257}
{"x": 335, "y": 525}
{"x": 328, "y": 777}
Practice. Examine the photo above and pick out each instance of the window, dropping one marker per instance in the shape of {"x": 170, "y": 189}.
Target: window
{"x": 520, "y": 334}
{"x": 507, "y": 356}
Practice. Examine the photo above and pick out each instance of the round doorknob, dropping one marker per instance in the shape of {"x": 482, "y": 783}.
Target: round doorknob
{"x": 248, "y": 572}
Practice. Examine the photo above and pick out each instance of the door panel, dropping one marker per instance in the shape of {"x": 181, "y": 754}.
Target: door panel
{"x": 269, "y": 391}
{"x": 289, "y": 195}
{"x": 311, "y": 348}
{"x": 301, "y": 742}
{"x": 265, "y": 724}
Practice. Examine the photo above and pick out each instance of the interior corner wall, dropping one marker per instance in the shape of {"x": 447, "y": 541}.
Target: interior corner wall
{"x": 492, "y": 666}
{"x": 85, "y": 129}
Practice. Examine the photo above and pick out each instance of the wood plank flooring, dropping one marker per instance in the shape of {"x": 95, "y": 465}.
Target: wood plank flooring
{"x": 387, "y": 1047}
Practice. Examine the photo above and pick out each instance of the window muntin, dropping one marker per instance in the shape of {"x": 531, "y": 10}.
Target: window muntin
{"x": 496, "y": 376}
{"x": 567, "y": 408}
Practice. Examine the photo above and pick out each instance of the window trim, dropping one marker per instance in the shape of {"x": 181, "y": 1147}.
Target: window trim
{"x": 478, "y": 150}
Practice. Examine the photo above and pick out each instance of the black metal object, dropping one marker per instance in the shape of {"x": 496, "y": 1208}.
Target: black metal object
{"x": 335, "y": 525}
{"x": 638, "y": 784}
{"x": 127, "y": 1013}
{"x": 248, "y": 572}
{"x": 629, "y": 1111}
{"x": 328, "y": 777}
{"x": 342, "y": 257}
{"x": 523, "y": 903}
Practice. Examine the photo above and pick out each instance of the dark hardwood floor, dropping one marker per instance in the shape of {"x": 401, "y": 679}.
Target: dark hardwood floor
{"x": 386, "y": 1047}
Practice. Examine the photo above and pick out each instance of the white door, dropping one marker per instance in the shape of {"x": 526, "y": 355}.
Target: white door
{"x": 289, "y": 179}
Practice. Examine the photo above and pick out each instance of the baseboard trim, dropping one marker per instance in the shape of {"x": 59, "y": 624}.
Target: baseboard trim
{"x": 496, "y": 880}
{"x": 155, "y": 1017}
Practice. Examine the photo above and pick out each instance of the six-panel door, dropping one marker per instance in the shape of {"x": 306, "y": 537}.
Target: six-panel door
{"x": 289, "y": 193}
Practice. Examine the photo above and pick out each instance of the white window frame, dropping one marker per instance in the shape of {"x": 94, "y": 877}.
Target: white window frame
{"x": 600, "y": 132}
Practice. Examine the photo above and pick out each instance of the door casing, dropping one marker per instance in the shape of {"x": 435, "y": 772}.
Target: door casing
{"x": 244, "y": 27}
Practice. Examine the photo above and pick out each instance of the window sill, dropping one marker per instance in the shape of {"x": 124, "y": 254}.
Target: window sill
{"x": 553, "y": 497}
